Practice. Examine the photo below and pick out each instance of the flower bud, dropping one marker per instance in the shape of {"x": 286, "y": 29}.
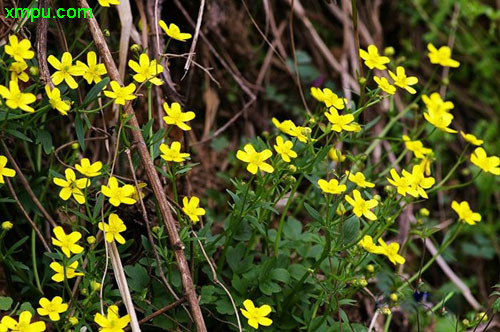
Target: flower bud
{"x": 135, "y": 48}
{"x": 84, "y": 291}
{"x": 75, "y": 146}
{"x": 7, "y": 225}
{"x": 34, "y": 70}
{"x": 91, "y": 240}
{"x": 73, "y": 320}
{"x": 482, "y": 316}
{"x": 445, "y": 81}
{"x": 106, "y": 33}
{"x": 377, "y": 198}
{"x": 95, "y": 286}
{"x": 424, "y": 212}
{"x": 265, "y": 134}
{"x": 389, "y": 51}
{"x": 341, "y": 210}
{"x": 362, "y": 80}
{"x": 312, "y": 120}
{"x": 370, "y": 268}
{"x": 292, "y": 168}
{"x": 394, "y": 297}
{"x": 386, "y": 311}
{"x": 156, "y": 229}
{"x": 363, "y": 282}
{"x": 290, "y": 179}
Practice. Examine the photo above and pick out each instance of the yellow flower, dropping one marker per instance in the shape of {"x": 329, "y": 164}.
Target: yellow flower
{"x": 284, "y": 149}
{"x": 471, "y": 139}
{"x": 175, "y": 116}
{"x": 418, "y": 181}
{"x": 289, "y": 128}
{"x": 59, "y": 270}
{"x": 141, "y": 185}
{"x": 118, "y": 195}
{"x": 120, "y": 94}
{"x": 384, "y": 85}
{"x": 417, "y": 147}
{"x": 88, "y": 169}
{"x": 367, "y": 243}
{"x": 329, "y": 98}
{"x": 65, "y": 70}
{"x": 360, "y": 206}
{"x": 17, "y": 99}
{"x": 256, "y": 316}
{"x": 92, "y": 71}
{"x": 331, "y": 187}
{"x": 435, "y": 104}
{"x": 191, "y": 208}
{"x": 440, "y": 120}
{"x": 340, "y": 122}
{"x": 24, "y": 324}
{"x": 146, "y": 70}
{"x": 403, "y": 184}
{"x": 336, "y": 155}
{"x": 112, "y": 322}
{"x": 391, "y": 252}
{"x": 52, "y": 308}
{"x": 403, "y": 81}
{"x": 359, "y": 179}
{"x": 426, "y": 164}
{"x": 72, "y": 186}
{"x": 174, "y": 32}
{"x": 17, "y": 70}
{"x": 373, "y": 59}
{"x": 5, "y": 171}
{"x": 173, "y": 153}
{"x": 441, "y": 56}
{"x": 465, "y": 213}
{"x": 113, "y": 229}
{"x": 481, "y": 160}
{"x": 256, "y": 160}
{"x": 19, "y": 50}
{"x": 67, "y": 242}
{"x": 55, "y": 100}
{"x": 7, "y": 225}
{"x": 106, "y": 3}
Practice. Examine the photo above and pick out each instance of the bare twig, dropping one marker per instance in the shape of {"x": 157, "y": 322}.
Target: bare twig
{"x": 41, "y": 45}
{"x": 195, "y": 38}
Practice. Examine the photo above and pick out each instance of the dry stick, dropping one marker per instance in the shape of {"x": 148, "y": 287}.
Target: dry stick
{"x": 195, "y": 38}
{"x": 150, "y": 234}
{"x": 26, "y": 215}
{"x": 41, "y": 45}
{"x": 26, "y": 186}
{"x": 162, "y": 310}
{"x": 451, "y": 41}
{"x": 216, "y": 280}
{"x": 149, "y": 167}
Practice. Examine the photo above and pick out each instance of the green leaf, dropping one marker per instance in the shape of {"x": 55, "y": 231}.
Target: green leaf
{"x": 313, "y": 212}
{"x": 80, "y": 131}
{"x": 18, "y": 134}
{"x": 280, "y": 274}
{"x": 138, "y": 277}
{"x": 351, "y": 229}
{"x": 45, "y": 138}
{"x": 5, "y": 303}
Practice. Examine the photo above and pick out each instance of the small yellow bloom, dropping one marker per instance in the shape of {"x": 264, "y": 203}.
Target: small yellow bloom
{"x": 441, "y": 56}
{"x": 435, "y": 104}
{"x": 173, "y": 153}
{"x": 359, "y": 179}
{"x": 88, "y": 169}
{"x": 55, "y": 100}
{"x": 256, "y": 316}
{"x": 417, "y": 147}
{"x": 481, "y": 160}
{"x": 5, "y": 171}
{"x": 72, "y": 186}
{"x": 340, "y": 122}
{"x": 23, "y": 325}
{"x": 373, "y": 59}
{"x": 73, "y": 320}
{"x": 60, "y": 271}
{"x": 384, "y": 85}
{"x": 52, "y": 308}
{"x": 256, "y": 160}
{"x": 367, "y": 243}
{"x": 289, "y": 128}
{"x": 472, "y": 139}
{"x": 284, "y": 149}
{"x": 403, "y": 81}
{"x": 175, "y": 116}
{"x": 7, "y": 225}
{"x": 402, "y": 184}
{"x": 418, "y": 181}
{"x": 329, "y": 98}
{"x": 118, "y": 195}
{"x": 336, "y": 155}
{"x": 17, "y": 71}
{"x": 92, "y": 71}
{"x": 360, "y": 206}
{"x": 440, "y": 120}
{"x": 331, "y": 187}
{"x": 113, "y": 229}
{"x": 112, "y": 322}
{"x": 67, "y": 242}
{"x": 120, "y": 94}
{"x": 465, "y": 213}
{"x": 146, "y": 70}
{"x": 391, "y": 252}
{"x": 17, "y": 99}
{"x": 191, "y": 208}
{"x": 65, "y": 70}
{"x": 174, "y": 32}
{"x": 19, "y": 50}
{"x": 106, "y": 3}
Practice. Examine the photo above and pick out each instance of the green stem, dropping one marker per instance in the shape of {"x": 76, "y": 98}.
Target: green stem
{"x": 150, "y": 118}
{"x": 33, "y": 258}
